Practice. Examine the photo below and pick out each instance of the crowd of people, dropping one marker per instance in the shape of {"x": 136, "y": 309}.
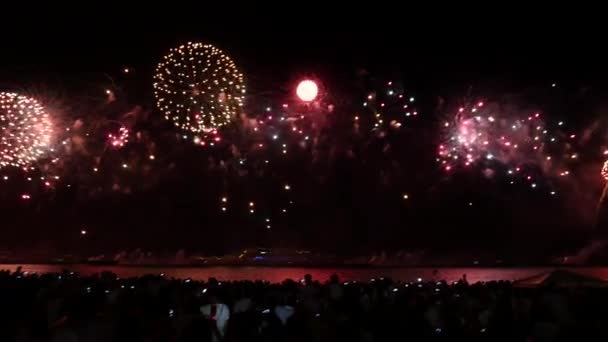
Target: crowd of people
{"x": 104, "y": 307}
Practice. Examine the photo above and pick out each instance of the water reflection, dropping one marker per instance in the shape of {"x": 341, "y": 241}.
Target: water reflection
{"x": 278, "y": 274}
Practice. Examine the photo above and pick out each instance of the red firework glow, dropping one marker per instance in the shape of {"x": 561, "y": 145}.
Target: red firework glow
{"x": 307, "y": 90}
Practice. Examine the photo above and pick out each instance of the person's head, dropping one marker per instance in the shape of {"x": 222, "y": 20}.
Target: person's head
{"x": 198, "y": 330}
{"x": 212, "y": 281}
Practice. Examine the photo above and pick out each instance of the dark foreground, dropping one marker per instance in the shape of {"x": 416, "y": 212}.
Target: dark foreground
{"x": 66, "y": 307}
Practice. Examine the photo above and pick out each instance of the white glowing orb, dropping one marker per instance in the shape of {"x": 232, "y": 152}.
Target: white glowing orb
{"x": 307, "y": 90}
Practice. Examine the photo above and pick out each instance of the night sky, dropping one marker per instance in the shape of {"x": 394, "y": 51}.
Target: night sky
{"x": 347, "y": 192}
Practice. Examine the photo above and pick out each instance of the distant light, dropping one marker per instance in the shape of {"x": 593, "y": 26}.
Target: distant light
{"x": 251, "y": 204}
{"x": 287, "y": 187}
{"x": 560, "y": 123}
{"x": 406, "y": 196}
{"x": 268, "y": 227}
{"x": 83, "y": 232}
{"x": 126, "y": 70}
{"x": 124, "y": 166}
{"x": 251, "y": 211}
{"x": 275, "y": 137}
{"x": 223, "y": 208}
{"x": 284, "y": 210}
{"x": 533, "y": 185}
{"x": 307, "y": 90}
{"x": 470, "y": 204}
{"x": 411, "y": 99}
{"x": 553, "y": 85}
{"x": 552, "y": 193}
{"x": 152, "y": 157}
{"x": 108, "y": 91}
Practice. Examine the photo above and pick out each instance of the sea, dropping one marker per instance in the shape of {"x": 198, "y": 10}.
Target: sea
{"x": 278, "y": 274}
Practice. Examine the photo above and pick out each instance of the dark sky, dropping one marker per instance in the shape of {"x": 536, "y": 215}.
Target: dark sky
{"x": 460, "y": 45}
{"x": 441, "y": 55}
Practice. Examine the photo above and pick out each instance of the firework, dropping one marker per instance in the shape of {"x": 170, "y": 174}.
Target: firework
{"x": 474, "y": 135}
{"x": 198, "y": 88}
{"x": 391, "y": 106}
{"x": 481, "y": 134}
{"x": 26, "y": 130}
{"x": 118, "y": 140}
{"x": 307, "y": 90}
{"x": 598, "y": 210}
{"x": 484, "y": 135}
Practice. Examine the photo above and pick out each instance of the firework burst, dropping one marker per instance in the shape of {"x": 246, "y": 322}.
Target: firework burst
{"x": 119, "y": 139}
{"x": 198, "y": 88}
{"x": 390, "y": 107}
{"x": 25, "y": 130}
{"x": 604, "y": 171}
{"x": 483, "y": 135}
